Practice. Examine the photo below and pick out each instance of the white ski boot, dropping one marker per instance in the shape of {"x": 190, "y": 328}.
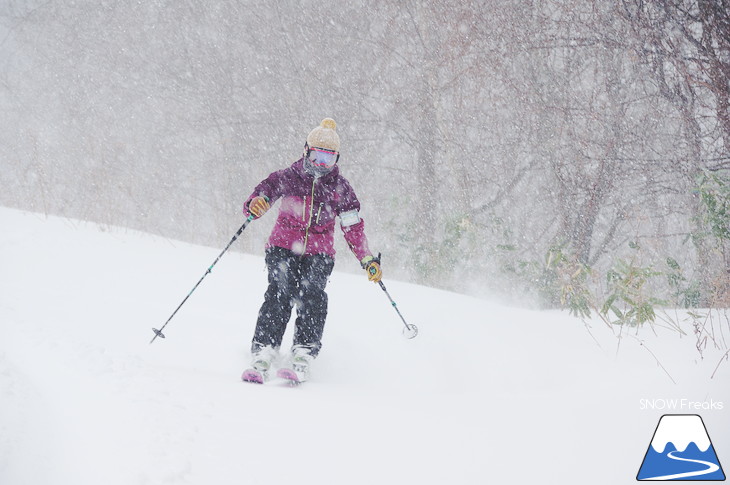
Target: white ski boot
{"x": 301, "y": 360}
{"x": 261, "y": 364}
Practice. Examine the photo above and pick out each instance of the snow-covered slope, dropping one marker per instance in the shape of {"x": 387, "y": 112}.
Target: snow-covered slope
{"x": 485, "y": 393}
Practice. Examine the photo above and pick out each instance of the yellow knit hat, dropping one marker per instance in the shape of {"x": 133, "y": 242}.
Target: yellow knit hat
{"x": 325, "y": 136}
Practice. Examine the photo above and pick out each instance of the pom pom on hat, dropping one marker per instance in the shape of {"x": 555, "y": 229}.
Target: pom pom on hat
{"x": 328, "y": 123}
{"x": 325, "y": 136}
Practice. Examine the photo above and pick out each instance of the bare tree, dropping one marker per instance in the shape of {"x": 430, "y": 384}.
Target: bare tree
{"x": 687, "y": 46}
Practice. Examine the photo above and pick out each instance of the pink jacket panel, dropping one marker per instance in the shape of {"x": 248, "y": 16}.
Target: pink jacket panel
{"x": 308, "y": 212}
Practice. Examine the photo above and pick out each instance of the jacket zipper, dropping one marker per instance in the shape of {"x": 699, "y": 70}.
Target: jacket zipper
{"x": 319, "y": 212}
{"x": 311, "y": 214}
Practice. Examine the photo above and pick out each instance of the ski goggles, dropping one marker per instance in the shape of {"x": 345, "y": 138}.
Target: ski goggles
{"x": 321, "y": 157}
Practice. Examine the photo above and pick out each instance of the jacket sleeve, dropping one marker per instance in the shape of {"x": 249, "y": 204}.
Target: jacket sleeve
{"x": 356, "y": 240}
{"x": 352, "y": 225}
{"x": 270, "y": 187}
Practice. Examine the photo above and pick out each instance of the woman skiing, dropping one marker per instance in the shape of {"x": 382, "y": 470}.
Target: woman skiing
{"x": 300, "y": 251}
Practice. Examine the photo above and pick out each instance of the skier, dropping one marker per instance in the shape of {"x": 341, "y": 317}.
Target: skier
{"x": 300, "y": 251}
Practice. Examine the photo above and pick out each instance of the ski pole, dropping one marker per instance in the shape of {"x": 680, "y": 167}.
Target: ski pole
{"x": 410, "y": 331}
{"x": 158, "y": 333}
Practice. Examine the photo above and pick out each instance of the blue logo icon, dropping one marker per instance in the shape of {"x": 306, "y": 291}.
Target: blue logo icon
{"x": 681, "y": 450}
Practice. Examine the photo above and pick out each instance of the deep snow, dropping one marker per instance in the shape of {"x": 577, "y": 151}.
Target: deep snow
{"x": 485, "y": 393}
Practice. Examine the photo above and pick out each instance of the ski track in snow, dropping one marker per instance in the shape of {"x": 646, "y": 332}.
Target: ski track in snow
{"x": 480, "y": 394}
{"x": 711, "y": 468}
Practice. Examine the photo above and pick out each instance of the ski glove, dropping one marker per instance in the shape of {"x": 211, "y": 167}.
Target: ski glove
{"x": 372, "y": 266}
{"x": 258, "y": 206}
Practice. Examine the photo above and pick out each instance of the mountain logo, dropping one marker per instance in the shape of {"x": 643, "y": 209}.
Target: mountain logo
{"x": 681, "y": 450}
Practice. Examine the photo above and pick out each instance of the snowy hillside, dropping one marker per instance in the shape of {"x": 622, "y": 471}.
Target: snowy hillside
{"x": 485, "y": 393}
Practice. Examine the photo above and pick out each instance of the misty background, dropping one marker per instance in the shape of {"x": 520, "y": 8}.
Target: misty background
{"x": 483, "y": 138}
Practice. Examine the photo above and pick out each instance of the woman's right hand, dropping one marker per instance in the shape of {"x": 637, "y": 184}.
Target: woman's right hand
{"x": 258, "y": 206}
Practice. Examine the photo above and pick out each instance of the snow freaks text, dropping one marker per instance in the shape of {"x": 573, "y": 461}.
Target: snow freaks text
{"x": 680, "y": 405}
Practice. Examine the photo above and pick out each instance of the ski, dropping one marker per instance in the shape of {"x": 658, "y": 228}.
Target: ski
{"x": 252, "y": 375}
{"x": 290, "y": 375}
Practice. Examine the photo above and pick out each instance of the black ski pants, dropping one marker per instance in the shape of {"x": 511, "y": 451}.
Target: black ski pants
{"x": 294, "y": 280}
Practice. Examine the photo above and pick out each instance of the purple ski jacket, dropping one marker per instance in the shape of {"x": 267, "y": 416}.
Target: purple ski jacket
{"x": 309, "y": 206}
